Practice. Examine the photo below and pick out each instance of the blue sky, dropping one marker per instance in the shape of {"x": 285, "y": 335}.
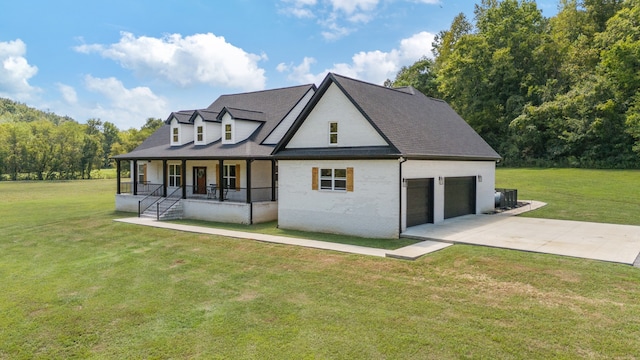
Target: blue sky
{"x": 125, "y": 61}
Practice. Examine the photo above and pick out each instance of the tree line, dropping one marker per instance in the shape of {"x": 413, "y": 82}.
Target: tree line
{"x": 559, "y": 91}
{"x": 38, "y": 145}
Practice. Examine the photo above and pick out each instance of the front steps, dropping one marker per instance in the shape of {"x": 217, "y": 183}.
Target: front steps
{"x": 168, "y": 209}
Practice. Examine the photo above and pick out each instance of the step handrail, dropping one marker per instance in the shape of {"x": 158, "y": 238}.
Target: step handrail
{"x": 158, "y": 213}
{"x": 154, "y": 193}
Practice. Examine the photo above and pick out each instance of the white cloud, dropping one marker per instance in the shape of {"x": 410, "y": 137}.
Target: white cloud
{"x": 351, "y": 6}
{"x": 124, "y": 107}
{"x": 299, "y": 8}
{"x": 68, "y": 94}
{"x": 417, "y": 46}
{"x": 300, "y": 73}
{"x": 196, "y": 59}
{"x": 15, "y": 71}
{"x": 339, "y": 18}
{"x": 373, "y": 66}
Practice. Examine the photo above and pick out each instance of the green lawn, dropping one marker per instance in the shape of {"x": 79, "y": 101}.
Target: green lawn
{"x": 611, "y": 196}
{"x": 75, "y": 284}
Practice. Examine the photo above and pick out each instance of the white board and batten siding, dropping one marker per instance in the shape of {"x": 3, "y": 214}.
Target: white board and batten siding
{"x": 353, "y": 128}
{"x": 370, "y": 210}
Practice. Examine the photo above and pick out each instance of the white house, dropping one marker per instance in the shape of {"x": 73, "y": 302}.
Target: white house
{"x": 370, "y": 161}
{"x": 347, "y": 157}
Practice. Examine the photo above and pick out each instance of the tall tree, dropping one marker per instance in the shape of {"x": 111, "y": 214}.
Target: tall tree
{"x": 420, "y": 75}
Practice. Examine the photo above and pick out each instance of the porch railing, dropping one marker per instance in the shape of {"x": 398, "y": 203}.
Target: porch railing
{"x": 168, "y": 202}
{"x": 212, "y": 192}
{"x": 144, "y": 188}
{"x": 153, "y": 197}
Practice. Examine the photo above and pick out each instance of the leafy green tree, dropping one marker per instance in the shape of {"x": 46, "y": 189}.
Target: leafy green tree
{"x": 420, "y": 75}
{"x": 92, "y": 147}
{"x": 14, "y": 140}
{"x": 110, "y": 135}
{"x": 40, "y": 148}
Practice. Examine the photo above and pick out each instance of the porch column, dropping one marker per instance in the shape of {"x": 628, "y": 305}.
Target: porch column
{"x": 164, "y": 178}
{"x": 134, "y": 178}
{"x": 273, "y": 180}
{"x": 249, "y": 161}
{"x": 118, "y": 176}
{"x": 221, "y": 179}
{"x": 183, "y": 179}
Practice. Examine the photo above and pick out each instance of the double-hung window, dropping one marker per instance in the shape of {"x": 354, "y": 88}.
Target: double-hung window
{"x": 333, "y": 179}
{"x": 227, "y": 131}
{"x": 175, "y": 175}
{"x": 333, "y": 133}
{"x": 176, "y": 135}
{"x": 229, "y": 176}
{"x": 200, "y": 134}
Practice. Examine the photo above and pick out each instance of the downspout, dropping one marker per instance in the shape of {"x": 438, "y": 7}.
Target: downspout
{"x": 401, "y": 160}
{"x": 248, "y": 182}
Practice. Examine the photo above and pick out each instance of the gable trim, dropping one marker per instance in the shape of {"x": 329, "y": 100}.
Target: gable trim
{"x": 324, "y": 86}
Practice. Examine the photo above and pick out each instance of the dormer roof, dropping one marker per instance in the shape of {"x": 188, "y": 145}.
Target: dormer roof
{"x": 242, "y": 114}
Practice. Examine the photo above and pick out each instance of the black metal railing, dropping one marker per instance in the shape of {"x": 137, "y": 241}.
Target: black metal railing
{"x": 153, "y": 197}
{"x": 143, "y": 188}
{"x": 212, "y": 192}
{"x": 506, "y": 198}
{"x": 168, "y": 202}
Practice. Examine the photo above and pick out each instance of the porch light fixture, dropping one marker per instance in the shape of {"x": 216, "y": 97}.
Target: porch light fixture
{"x": 404, "y": 182}
{"x": 440, "y": 180}
{"x": 479, "y": 178}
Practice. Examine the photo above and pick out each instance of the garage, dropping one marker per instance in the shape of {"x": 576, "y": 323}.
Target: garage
{"x": 459, "y": 196}
{"x": 419, "y": 201}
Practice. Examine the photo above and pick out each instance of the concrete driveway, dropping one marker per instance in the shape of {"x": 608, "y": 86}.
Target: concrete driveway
{"x": 608, "y": 242}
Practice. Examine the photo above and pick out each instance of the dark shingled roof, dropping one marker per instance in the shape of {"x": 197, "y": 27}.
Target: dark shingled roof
{"x": 242, "y": 114}
{"x": 415, "y": 126}
{"x": 183, "y": 116}
{"x": 206, "y": 115}
{"x": 268, "y": 106}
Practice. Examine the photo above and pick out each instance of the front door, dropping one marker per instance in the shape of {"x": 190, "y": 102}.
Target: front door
{"x": 199, "y": 180}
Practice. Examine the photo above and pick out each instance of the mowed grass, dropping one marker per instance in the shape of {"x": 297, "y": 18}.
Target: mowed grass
{"x": 271, "y": 228}
{"x": 610, "y": 196}
{"x": 75, "y": 284}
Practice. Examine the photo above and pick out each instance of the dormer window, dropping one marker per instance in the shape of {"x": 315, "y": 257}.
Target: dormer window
{"x": 200, "y": 133}
{"x": 176, "y": 135}
{"x": 333, "y": 133}
{"x": 227, "y": 132}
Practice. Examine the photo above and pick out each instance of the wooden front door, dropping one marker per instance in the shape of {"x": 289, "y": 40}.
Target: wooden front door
{"x": 199, "y": 180}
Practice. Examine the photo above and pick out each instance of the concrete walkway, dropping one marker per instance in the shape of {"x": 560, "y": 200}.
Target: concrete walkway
{"x": 408, "y": 252}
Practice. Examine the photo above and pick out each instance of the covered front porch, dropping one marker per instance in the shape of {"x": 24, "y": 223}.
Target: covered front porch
{"x": 225, "y": 190}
